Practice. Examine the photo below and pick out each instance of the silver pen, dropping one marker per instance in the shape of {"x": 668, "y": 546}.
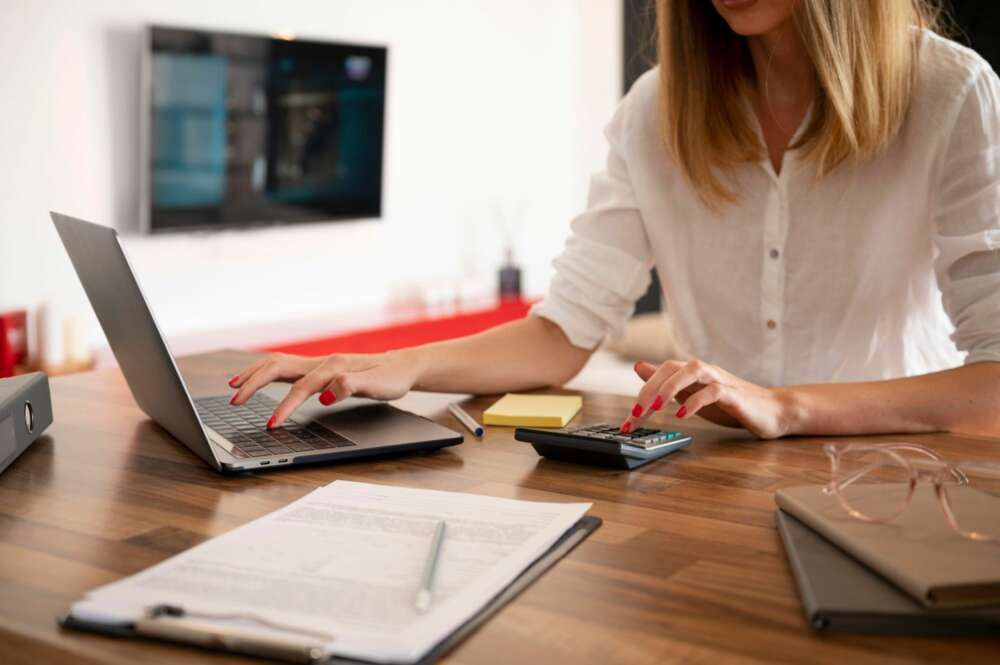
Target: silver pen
{"x": 426, "y": 591}
{"x": 467, "y": 420}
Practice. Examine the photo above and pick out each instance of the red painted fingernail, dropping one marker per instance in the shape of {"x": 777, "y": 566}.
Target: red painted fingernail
{"x": 270, "y": 422}
{"x": 626, "y": 427}
{"x": 327, "y": 398}
{"x": 636, "y": 411}
{"x": 233, "y": 381}
{"x": 681, "y": 412}
{"x": 232, "y": 400}
{"x": 657, "y": 403}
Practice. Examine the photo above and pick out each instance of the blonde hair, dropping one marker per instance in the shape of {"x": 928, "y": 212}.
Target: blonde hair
{"x": 864, "y": 60}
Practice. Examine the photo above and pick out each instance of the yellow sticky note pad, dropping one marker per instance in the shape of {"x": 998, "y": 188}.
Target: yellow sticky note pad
{"x": 533, "y": 410}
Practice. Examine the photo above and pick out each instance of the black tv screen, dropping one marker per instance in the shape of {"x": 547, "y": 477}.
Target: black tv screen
{"x": 244, "y": 130}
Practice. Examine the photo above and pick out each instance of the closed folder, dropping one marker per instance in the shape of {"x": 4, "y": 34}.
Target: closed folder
{"x": 917, "y": 550}
{"x": 841, "y": 594}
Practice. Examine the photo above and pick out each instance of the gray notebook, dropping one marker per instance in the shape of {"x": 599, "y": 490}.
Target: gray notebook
{"x": 917, "y": 550}
{"x": 841, "y": 594}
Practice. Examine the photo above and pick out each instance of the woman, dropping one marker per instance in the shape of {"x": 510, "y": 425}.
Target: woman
{"x": 817, "y": 185}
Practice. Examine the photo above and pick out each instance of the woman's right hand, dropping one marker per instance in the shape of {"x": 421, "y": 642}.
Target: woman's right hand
{"x": 383, "y": 376}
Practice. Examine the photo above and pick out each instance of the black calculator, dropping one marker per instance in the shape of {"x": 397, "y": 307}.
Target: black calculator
{"x": 603, "y": 444}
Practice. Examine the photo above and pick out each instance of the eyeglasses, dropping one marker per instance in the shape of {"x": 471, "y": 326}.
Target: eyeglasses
{"x": 875, "y": 483}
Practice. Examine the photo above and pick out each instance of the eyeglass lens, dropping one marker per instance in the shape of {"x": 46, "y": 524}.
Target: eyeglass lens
{"x": 973, "y": 499}
{"x": 873, "y": 482}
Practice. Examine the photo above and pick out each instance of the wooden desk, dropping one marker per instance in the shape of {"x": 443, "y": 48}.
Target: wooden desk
{"x": 688, "y": 566}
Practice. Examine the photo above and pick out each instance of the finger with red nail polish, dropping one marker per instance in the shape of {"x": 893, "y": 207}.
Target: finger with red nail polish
{"x": 651, "y": 396}
{"x": 326, "y": 398}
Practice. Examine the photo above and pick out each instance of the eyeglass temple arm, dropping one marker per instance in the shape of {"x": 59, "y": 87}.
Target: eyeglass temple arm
{"x": 960, "y": 476}
{"x": 855, "y": 476}
{"x": 936, "y": 464}
{"x": 901, "y": 446}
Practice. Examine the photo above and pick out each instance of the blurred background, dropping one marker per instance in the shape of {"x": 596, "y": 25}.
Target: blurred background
{"x": 209, "y": 149}
{"x": 312, "y": 175}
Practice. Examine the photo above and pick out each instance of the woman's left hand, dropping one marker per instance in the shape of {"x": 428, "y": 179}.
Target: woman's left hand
{"x": 714, "y": 394}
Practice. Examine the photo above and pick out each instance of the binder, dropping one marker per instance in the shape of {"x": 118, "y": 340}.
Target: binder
{"x": 841, "y": 594}
{"x": 171, "y": 623}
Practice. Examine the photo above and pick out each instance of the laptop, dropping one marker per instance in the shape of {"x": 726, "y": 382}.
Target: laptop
{"x": 228, "y": 438}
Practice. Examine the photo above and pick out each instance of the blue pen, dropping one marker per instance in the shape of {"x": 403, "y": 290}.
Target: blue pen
{"x": 467, "y": 420}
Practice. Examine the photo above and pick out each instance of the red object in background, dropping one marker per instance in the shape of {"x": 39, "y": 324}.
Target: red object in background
{"x": 412, "y": 333}
{"x": 13, "y": 341}
{"x": 6, "y": 353}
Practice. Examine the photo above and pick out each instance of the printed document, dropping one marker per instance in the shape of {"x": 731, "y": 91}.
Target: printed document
{"x": 346, "y": 560}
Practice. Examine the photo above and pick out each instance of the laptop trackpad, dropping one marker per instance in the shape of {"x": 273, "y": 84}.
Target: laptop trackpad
{"x": 365, "y": 421}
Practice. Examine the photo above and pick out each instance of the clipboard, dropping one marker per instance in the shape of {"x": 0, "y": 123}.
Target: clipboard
{"x": 201, "y": 634}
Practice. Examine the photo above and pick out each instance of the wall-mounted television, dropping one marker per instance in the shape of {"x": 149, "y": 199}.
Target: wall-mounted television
{"x": 243, "y": 130}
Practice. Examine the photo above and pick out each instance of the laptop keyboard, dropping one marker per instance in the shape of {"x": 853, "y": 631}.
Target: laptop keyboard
{"x": 244, "y": 427}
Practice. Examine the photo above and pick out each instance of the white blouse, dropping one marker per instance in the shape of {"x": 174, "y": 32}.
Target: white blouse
{"x": 882, "y": 269}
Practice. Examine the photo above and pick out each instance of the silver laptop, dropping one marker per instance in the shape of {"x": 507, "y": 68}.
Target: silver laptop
{"x": 229, "y": 438}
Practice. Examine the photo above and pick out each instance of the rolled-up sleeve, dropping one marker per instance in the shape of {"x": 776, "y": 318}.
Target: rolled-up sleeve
{"x": 967, "y": 219}
{"x": 604, "y": 267}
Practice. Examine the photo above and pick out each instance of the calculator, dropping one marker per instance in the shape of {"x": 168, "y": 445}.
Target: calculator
{"x": 603, "y": 444}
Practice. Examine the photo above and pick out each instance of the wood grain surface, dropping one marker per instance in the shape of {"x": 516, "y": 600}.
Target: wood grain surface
{"x": 688, "y": 566}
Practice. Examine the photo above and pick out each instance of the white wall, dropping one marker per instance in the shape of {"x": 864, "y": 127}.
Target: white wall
{"x": 492, "y": 105}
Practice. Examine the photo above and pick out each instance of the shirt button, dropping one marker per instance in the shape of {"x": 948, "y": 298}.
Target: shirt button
{"x": 774, "y": 253}
{"x": 771, "y": 324}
